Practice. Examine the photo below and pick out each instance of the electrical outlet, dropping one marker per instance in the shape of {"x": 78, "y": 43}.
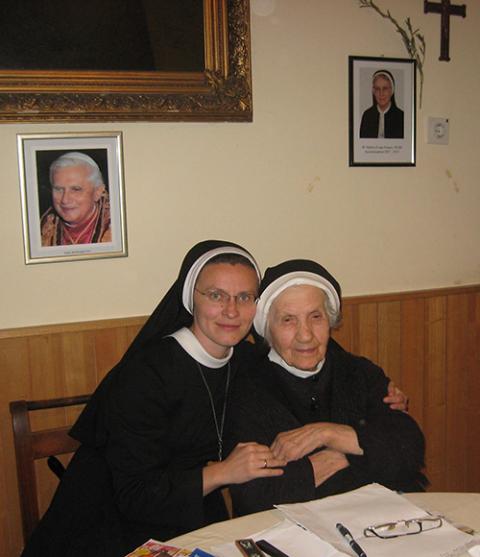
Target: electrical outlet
{"x": 437, "y": 130}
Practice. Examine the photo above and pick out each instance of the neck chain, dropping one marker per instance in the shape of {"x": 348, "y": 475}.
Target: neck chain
{"x": 219, "y": 430}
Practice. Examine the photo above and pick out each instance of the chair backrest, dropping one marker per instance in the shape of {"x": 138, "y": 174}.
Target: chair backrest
{"x": 33, "y": 445}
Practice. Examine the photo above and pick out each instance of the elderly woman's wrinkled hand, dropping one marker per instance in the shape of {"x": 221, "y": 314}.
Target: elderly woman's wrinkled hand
{"x": 326, "y": 463}
{"x": 300, "y": 442}
{"x": 297, "y": 443}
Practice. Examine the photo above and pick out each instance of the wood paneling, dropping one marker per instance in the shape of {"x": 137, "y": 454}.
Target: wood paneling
{"x": 48, "y": 362}
{"x": 427, "y": 341}
{"x": 434, "y": 382}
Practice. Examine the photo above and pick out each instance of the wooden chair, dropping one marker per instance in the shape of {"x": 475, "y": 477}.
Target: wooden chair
{"x": 33, "y": 445}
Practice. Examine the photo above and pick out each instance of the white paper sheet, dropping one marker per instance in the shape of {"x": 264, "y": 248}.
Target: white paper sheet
{"x": 474, "y": 551}
{"x": 289, "y": 538}
{"x": 374, "y": 504}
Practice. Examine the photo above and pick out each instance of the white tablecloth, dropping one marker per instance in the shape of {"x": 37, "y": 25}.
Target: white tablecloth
{"x": 458, "y": 508}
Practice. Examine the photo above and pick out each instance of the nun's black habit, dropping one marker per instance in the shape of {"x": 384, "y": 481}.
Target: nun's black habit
{"x": 146, "y": 435}
{"x": 394, "y": 127}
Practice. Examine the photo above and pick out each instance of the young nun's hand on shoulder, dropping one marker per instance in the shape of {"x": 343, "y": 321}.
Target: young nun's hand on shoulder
{"x": 396, "y": 399}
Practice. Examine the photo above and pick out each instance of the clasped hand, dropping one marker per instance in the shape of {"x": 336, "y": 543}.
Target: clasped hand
{"x": 246, "y": 462}
{"x": 251, "y": 460}
{"x": 297, "y": 443}
{"x": 326, "y": 445}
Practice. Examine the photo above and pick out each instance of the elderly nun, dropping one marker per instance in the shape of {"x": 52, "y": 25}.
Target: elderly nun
{"x": 317, "y": 406}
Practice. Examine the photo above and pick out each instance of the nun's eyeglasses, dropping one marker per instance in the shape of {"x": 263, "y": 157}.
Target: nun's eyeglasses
{"x": 222, "y": 298}
{"x": 403, "y": 527}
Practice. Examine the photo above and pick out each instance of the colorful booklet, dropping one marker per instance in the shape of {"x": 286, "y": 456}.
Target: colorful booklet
{"x": 153, "y": 548}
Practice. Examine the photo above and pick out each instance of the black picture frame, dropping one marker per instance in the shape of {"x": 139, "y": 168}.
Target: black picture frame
{"x": 395, "y": 83}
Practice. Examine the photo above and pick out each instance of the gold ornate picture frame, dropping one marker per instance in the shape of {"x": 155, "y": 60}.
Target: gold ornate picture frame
{"x": 47, "y": 222}
{"x": 221, "y": 92}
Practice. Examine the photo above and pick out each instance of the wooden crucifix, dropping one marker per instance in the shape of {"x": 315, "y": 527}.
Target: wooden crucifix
{"x": 446, "y": 9}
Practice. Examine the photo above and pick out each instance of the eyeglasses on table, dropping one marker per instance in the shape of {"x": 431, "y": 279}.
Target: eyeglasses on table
{"x": 407, "y": 527}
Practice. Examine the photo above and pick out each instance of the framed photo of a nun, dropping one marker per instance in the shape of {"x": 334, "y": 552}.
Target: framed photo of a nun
{"x": 382, "y": 111}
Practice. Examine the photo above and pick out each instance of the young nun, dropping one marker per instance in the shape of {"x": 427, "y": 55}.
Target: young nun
{"x": 151, "y": 461}
{"x": 384, "y": 119}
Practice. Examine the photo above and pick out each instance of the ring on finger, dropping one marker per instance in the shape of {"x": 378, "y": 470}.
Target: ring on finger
{"x": 265, "y": 464}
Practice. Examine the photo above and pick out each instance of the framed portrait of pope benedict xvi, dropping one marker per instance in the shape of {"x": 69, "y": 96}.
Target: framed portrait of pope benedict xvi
{"x": 72, "y": 194}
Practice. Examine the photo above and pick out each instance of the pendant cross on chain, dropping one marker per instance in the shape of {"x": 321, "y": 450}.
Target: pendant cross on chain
{"x": 446, "y": 10}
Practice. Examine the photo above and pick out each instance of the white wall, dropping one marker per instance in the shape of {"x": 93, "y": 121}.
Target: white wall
{"x": 280, "y": 185}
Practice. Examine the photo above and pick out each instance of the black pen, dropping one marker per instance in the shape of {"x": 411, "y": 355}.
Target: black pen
{"x": 270, "y": 549}
{"x": 351, "y": 542}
